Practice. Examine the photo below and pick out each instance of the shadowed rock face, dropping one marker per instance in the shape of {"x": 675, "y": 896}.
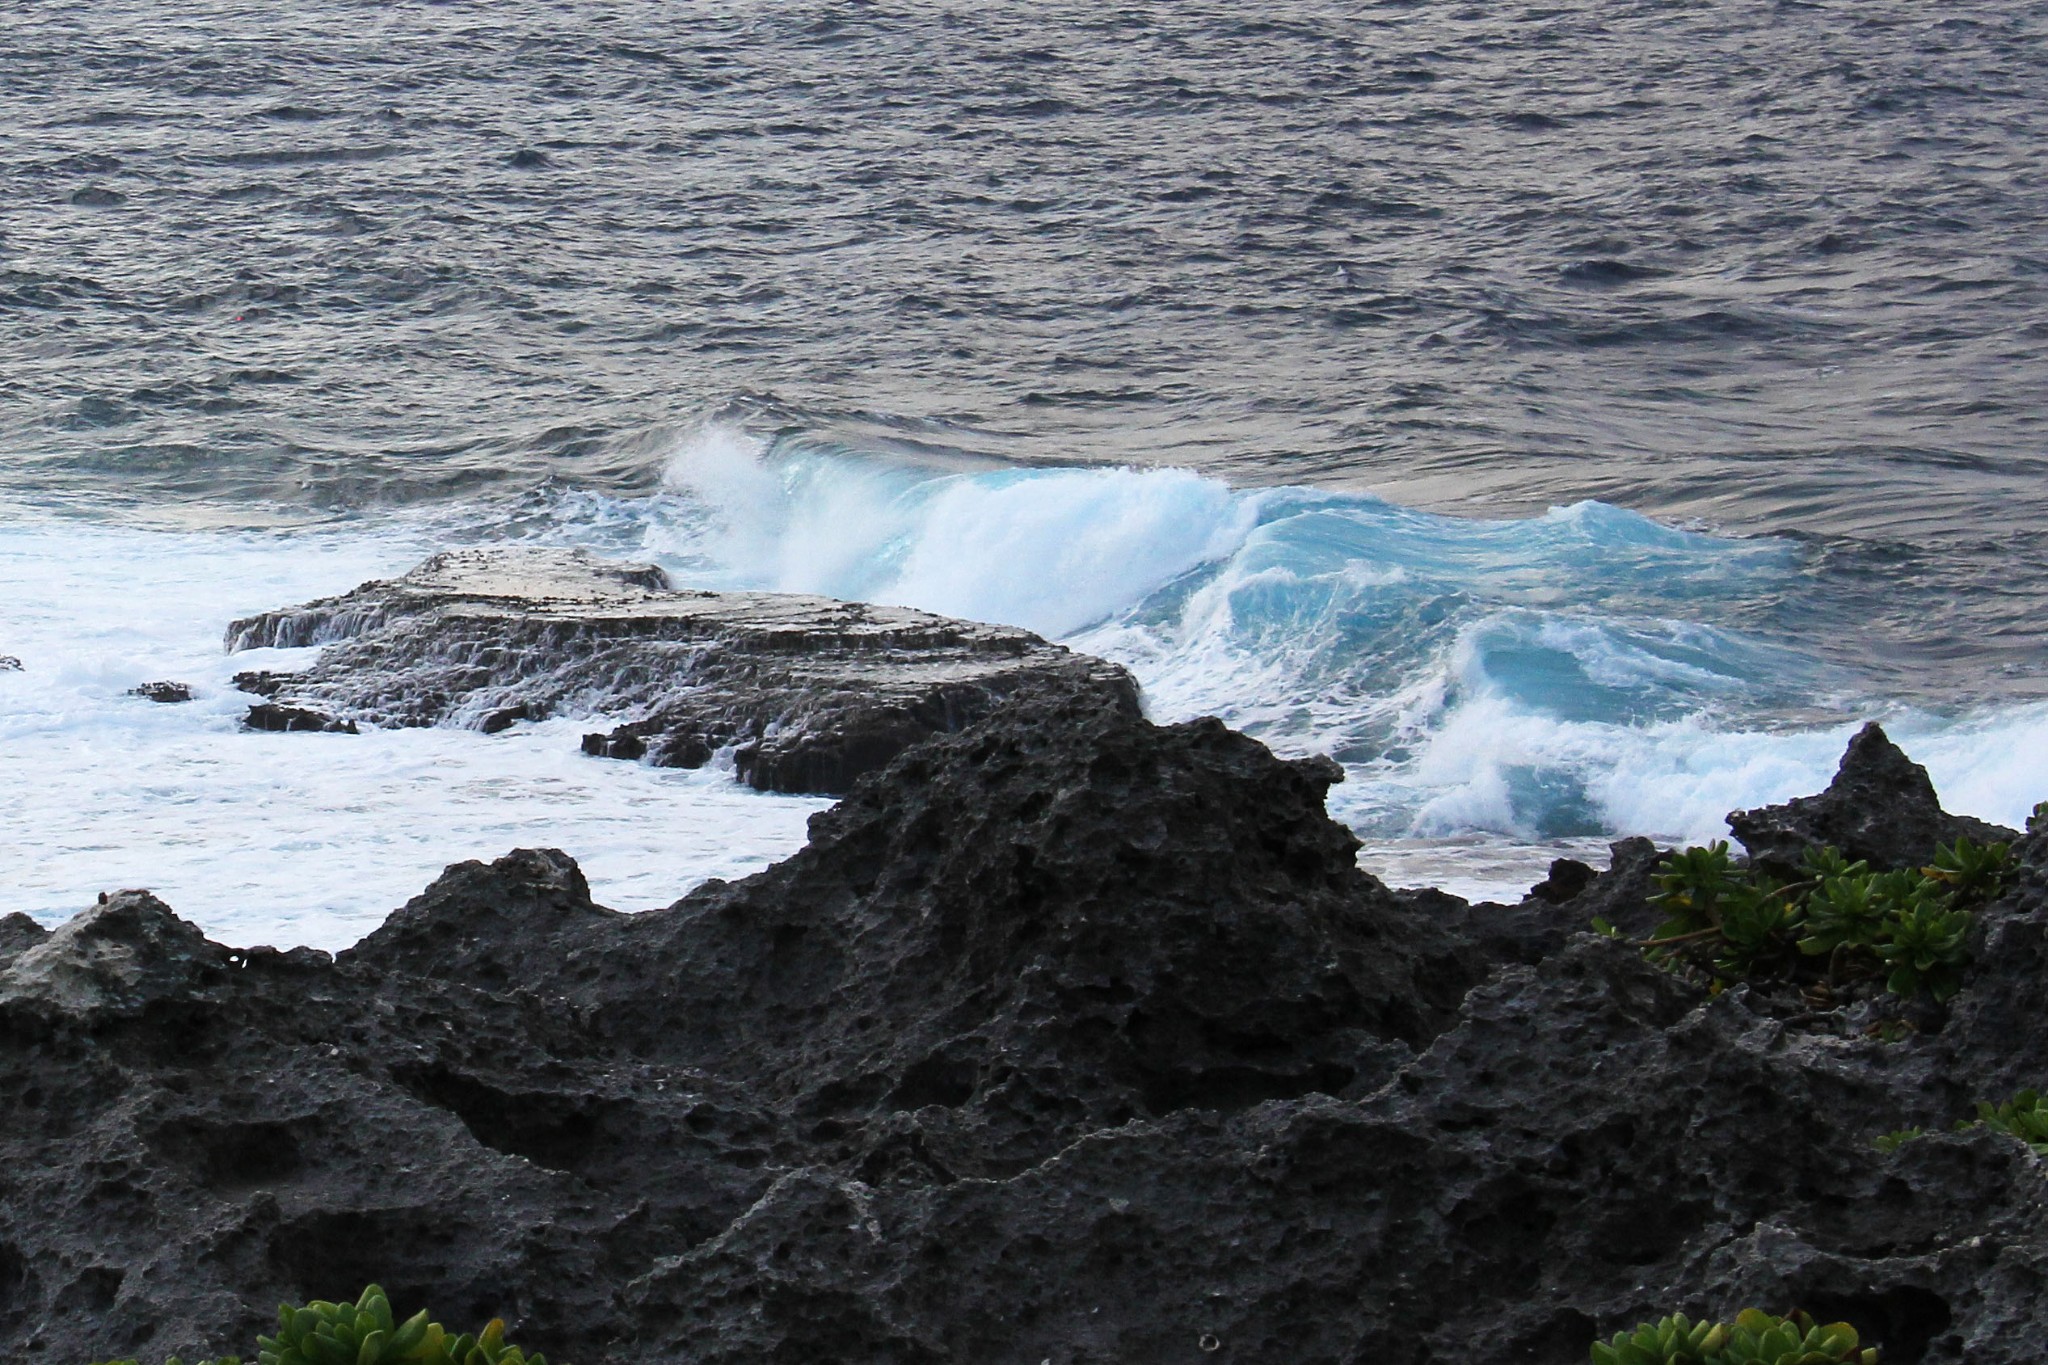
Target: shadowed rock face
{"x": 809, "y": 692}
{"x": 1067, "y": 1038}
{"x": 1881, "y": 808}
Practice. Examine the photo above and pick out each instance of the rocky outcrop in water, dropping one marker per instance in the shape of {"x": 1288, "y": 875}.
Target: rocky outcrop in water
{"x": 1066, "y": 1038}
{"x": 809, "y": 693}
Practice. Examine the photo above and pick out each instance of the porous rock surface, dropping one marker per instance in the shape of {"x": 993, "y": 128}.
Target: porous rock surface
{"x": 1067, "y": 1038}
{"x": 1881, "y": 808}
{"x": 808, "y": 692}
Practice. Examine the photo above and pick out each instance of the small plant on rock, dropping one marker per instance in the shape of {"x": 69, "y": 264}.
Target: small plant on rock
{"x": 1840, "y": 924}
{"x": 1925, "y": 949}
{"x": 1844, "y": 912}
{"x": 1754, "y": 1338}
{"x": 1971, "y": 871}
{"x": 1691, "y": 887}
{"x": 364, "y": 1333}
{"x": 2024, "y": 1116}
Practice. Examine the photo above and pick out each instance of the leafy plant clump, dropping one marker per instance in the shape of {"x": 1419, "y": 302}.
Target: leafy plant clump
{"x": 2024, "y": 1116}
{"x": 364, "y": 1333}
{"x": 1837, "y": 924}
{"x": 1754, "y": 1338}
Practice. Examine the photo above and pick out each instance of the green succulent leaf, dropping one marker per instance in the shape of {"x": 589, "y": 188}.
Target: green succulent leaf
{"x": 366, "y": 1333}
{"x": 1753, "y": 1338}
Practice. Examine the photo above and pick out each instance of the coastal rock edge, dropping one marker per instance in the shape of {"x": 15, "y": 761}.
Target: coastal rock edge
{"x": 1068, "y": 1037}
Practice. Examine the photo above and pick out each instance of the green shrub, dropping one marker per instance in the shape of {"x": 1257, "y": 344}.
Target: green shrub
{"x": 1754, "y": 1338}
{"x": 2024, "y": 1116}
{"x": 1926, "y": 948}
{"x": 1837, "y": 924}
{"x": 364, "y": 1333}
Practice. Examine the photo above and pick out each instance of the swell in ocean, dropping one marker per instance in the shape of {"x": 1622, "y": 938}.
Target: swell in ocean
{"x": 1499, "y": 691}
{"x": 1718, "y": 327}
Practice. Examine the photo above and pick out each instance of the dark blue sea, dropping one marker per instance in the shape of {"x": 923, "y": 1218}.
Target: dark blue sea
{"x": 1576, "y": 419}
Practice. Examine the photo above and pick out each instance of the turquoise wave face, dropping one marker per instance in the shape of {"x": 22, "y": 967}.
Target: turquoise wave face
{"x": 1342, "y": 606}
{"x": 1583, "y": 672}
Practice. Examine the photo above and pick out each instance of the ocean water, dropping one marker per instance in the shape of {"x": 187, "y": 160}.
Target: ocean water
{"x": 1576, "y": 420}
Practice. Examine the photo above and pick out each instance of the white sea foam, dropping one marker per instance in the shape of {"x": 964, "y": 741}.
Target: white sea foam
{"x": 1049, "y": 550}
{"x": 290, "y": 838}
{"x": 1499, "y": 691}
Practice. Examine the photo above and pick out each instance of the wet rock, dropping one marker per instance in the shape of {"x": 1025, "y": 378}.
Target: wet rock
{"x": 262, "y": 682}
{"x": 1881, "y": 808}
{"x": 807, "y": 692}
{"x": 632, "y": 748}
{"x": 168, "y": 693}
{"x": 1067, "y": 1037}
{"x": 505, "y": 718}
{"x": 9, "y": 664}
{"x": 273, "y": 716}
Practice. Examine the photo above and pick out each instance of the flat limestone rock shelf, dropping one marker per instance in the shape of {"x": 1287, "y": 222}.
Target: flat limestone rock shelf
{"x": 809, "y": 692}
{"x": 1067, "y": 1037}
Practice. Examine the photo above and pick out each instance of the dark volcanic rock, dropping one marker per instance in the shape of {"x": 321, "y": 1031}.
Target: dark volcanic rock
{"x": 1067, "y": 1038}
{"x": 810, "y": 693}
{"x": 123, "y": 954}
{"x": 272, "y": 716}
{"x": 169, "y": 693}
{"x": 16, "y": 933}
{"x": 9, "y": 664}
{"x": 1568, "y": 877}
{"x": 1880, "y": 808}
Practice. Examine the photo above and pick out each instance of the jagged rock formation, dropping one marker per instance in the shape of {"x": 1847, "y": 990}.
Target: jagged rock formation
{"x": 809, "y": 692}
{"x": 1067, "y": 1038}
{"x": 1881, "y": 808}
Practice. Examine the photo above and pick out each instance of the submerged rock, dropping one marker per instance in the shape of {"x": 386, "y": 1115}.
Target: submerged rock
{"x": 169, "y": 693}
{"x": 808, "y": 692}
{"x": 272, "y": 716}
{"x": 1067, "y": 1037}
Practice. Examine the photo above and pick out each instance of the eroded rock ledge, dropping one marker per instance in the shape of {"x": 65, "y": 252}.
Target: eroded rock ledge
{"x": 809, "y": 692}
{"x": 1066, "y": 1038}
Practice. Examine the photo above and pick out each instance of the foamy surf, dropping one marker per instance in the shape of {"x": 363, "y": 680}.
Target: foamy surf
{"x": 300, "y": 838}
{"x": 1507, "y": 688}
{"x": 1499, "y": 691}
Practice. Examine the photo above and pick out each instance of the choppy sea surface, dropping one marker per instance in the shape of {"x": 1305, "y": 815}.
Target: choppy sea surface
{"x": 1576, "y": 419}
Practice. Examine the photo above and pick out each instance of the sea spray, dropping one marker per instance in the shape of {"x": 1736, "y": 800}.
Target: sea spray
{"x": 1499, "y": 691}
